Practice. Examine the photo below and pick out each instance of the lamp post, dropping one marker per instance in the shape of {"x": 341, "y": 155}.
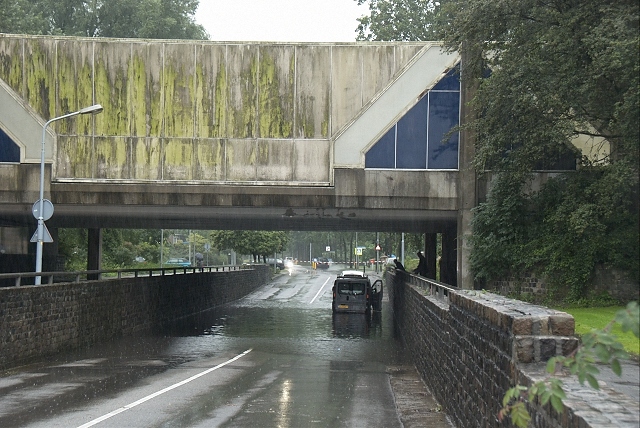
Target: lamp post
{"x": 39, "y": 211}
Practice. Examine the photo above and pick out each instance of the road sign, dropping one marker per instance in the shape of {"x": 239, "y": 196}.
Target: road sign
{"x": 378, "y": 248}
{"x": 47, "y": 209}
{"x": 327, "y": 248}
{"x": 46, "y": 236}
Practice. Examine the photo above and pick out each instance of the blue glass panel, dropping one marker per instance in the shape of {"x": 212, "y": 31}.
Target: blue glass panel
{"x": 450, "y": 82}
{"x": 383, "y": 153}
{"x": 412, "y": 136}
{"x": 444, "y": 114}
{"x": 9, "y": 151}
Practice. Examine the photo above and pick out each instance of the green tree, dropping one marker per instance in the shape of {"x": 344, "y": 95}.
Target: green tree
{"x": 558, "y": 70}
{"x": 21, "y": 17}
{"x": 153, "y": 19}
{"x": 72, "y": 246}
{"x": 406, "y": 20}
{"x": 259, "y": 244}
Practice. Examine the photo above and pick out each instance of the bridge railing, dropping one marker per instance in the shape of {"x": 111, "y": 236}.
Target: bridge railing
{"x": 48, "y": 278}
{"x": 430, "y": 287}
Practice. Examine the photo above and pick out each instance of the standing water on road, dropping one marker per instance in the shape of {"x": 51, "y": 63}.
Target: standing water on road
{"x": 277, "y": 358}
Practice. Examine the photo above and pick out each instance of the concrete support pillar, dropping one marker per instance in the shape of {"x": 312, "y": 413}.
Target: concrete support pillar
{"x": 94, "y": 251}
{"x": 448, "y": 262}
{"x": 430, "y": 249}
{"x": 467, "y": 185}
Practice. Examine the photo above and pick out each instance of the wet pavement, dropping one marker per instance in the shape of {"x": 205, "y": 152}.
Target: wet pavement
{"x": 278, "y": 357}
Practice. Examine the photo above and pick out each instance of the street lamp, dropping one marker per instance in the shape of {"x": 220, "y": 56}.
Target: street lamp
{"x": 39, "y": 206}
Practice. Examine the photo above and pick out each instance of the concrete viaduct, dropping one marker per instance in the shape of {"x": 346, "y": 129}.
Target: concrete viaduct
{"x": 212, "y": 135}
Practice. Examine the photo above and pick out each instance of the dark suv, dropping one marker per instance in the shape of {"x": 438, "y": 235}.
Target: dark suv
{"x": 323, "y": 263}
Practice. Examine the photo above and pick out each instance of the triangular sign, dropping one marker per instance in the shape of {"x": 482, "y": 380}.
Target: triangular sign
{"x": 46, "y": 236}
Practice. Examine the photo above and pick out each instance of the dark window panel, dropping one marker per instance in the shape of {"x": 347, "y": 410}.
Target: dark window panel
{"x": 412, "y": 134}
{"x": 444, "y": 114}
{"x": 9, "y": 151}
{"x": 383, "y": 153}
{"x": 450, "y": 82}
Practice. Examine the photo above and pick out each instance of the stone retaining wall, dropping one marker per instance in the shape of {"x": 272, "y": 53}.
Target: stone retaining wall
{"x": 36, "y": 321}
{"x": 618, "y": 284}
{"x": 469, "y": 345}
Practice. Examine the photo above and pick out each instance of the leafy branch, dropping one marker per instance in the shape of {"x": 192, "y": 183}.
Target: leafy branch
{"x": 598, "y": 346}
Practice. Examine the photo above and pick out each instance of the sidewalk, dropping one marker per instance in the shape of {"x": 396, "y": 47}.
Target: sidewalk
{"x": 615, "y": 404}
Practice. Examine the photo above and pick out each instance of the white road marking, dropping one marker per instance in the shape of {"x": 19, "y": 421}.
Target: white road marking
{"x": 155, "y": 394}
{"x": 320, "y": 291}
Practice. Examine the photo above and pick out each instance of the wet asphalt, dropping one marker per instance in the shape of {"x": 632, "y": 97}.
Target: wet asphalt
{"x": 276, "y": 358}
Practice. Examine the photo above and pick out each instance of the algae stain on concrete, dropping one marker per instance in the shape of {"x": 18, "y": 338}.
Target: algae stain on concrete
{"x": 12, "y": 64}
{"x": 77, "y": 152}
{"x": 220, "y": 106}
{"x": 178, "y": 107}
{"x": 146, "y": 162}
{"x": 40, "y": 89}
{"x": 273, "y": 106}
{"x": 203, "y": 103}
{"x": 243, "y": 118}
{"x": 305, "y": 117}
{"x": 111, "y": 156}
{"x": 137, "y": 76}
{"x": 67, "y": 89}
{"x": 111, "y": 86}
{"x": 178, "y": 158}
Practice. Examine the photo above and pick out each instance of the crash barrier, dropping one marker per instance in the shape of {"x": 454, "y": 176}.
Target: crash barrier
{"x": 37, "y": 321}
{"x": 470, "y": 347}
{"x": 26, "y": 278}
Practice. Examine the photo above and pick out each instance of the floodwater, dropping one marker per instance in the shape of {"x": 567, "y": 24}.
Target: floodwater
{"x": 277, "y": 357}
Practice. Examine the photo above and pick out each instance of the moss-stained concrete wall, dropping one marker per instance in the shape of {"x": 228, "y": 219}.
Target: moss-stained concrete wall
{"x": 198, "y": 111}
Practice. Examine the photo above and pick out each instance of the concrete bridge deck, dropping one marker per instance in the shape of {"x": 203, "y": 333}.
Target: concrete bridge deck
{"x": 209, "y": 135}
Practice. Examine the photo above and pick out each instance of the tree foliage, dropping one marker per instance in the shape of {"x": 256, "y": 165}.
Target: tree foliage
{"x": 259, "y": 244}
{"x": 153, "y": 19}
{"x": 406, "y": 20}
{"x": 558, "y": 70}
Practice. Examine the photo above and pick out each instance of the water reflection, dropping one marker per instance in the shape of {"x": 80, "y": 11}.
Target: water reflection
{"x": 351, "y": 326}
{"x": 255, "y": 322}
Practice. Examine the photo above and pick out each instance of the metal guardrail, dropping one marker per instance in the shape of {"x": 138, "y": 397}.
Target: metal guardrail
{"x": 49, "y": 278}
{"x": 430, "y": 287}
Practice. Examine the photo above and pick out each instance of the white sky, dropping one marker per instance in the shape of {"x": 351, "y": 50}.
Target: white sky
{"x": 280, "y": 20}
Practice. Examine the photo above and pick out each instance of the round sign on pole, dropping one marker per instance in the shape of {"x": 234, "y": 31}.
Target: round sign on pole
{"x": 47, "y": 209}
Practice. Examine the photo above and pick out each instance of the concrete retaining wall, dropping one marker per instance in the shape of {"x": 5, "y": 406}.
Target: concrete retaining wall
{"x": 471, "y": 346}
{"x": 36, "y": 321}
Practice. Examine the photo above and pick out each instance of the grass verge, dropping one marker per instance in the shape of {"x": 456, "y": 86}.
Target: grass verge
{"x": 588, "y": 319}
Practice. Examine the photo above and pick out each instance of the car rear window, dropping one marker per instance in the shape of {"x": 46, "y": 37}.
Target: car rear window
{"x": 351, "y": 288}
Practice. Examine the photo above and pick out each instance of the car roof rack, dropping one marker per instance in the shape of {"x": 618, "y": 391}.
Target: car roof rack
{"x": 353, "y": 274}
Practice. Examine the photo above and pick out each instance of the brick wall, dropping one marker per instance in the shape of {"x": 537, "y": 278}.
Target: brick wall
{"x": 36, "y": 321}
{"x": 618, "y": 284}
{"x": 469, "y": 346}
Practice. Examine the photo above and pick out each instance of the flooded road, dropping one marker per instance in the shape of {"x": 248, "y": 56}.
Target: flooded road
{"x": 276, "y": 358}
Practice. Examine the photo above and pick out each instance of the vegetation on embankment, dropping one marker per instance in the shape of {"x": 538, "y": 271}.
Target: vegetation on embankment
{"x": 588, "y": 319}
